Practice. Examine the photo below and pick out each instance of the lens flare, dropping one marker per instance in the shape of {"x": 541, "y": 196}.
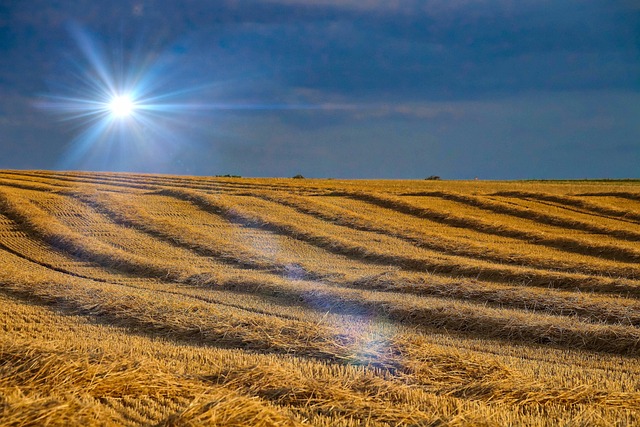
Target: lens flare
{"x": 133, "y": 109}
{"x": 121, "y": 106}
{"x": 125, "y": 110}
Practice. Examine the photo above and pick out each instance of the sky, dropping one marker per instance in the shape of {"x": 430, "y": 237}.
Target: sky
{"x": 493, "y": 89}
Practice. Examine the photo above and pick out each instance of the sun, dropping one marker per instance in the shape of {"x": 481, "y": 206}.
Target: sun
{"x": 122, "y": 106}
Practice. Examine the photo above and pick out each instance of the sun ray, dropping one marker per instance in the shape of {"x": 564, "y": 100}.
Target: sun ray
{"x": 135, "y": 104}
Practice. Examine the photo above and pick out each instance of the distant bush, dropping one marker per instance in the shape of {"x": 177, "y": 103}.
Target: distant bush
{"x": 433, "y": 178}
{"x": 228, "y": 176}
{"x": 298, "y": 177}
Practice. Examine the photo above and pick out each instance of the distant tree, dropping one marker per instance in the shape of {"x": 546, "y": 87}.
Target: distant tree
{"x": 298, "y": 177}
{"x": 433, "y": 178}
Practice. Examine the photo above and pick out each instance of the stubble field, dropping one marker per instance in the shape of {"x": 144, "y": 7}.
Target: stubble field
{"x": 161, "y": 300}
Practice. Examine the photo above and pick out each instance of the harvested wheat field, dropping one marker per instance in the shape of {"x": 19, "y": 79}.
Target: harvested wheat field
{"x": 133, "y": 299}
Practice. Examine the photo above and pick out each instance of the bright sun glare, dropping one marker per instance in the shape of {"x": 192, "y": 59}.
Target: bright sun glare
{"x": 121, "y": 106}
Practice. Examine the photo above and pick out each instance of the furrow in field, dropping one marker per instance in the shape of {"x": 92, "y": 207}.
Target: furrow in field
{"x": 68, "y": 271}
{"x": 219, "y": 185}
{"x": 269, "y": 285}
{"x": 590, "y": 307}
{"x": 568, "y": 211}
{"x": 218, "y": 325}
{"x": 30, "y": 184}
{"x": 85, "y": 234}
{"x": 146, "y": 310}
{"x": 593, "y": 245}
{"x": 399, "y": 300}
{"x": 360, "y": 394}
{"x": 212, "y": 183}
{"x": 150, "y": 182}
{"x": 185, "y": 224}
{"x": 532, "y": 228}
{"x": 433, "y": 235}
{"x": 223, "y": 236}
{"x": 505, "y": 207}
{"x": 604, "y": 310}
{"x": 234, "y": 281}
{"x": 140, "y": 182}
{"x": 204, "y": 183}
{"x": 82, "y": 179}
{"x": 438, "y": 365}
{"x": 46, "y": 182}
{"x": 624, "y": 205}
{"x": 250, "y": 183}
{"x": 107, "y": 377}
{"x": 176, "y": 229}
{"x": 427, "y": 317}
{"x": 21, "y": 244}
{"x": 305, "y": 387}
{"x": 486, "y": 295}
{"x": 292, "y": 385}
{"x": 583, "y": 205}
{"x": 377, "y": 248}
{"x": 616, "y": 226}
{"x": 540, "y": 235}
{"x": 619, "y": 194}
{"x": 25, "y": 253}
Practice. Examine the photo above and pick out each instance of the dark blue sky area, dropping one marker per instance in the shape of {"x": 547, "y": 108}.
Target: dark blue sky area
{"x": 332, "y": 88}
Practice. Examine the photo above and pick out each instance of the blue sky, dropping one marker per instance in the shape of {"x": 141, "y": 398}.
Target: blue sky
{"x": 346, "y": 89}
